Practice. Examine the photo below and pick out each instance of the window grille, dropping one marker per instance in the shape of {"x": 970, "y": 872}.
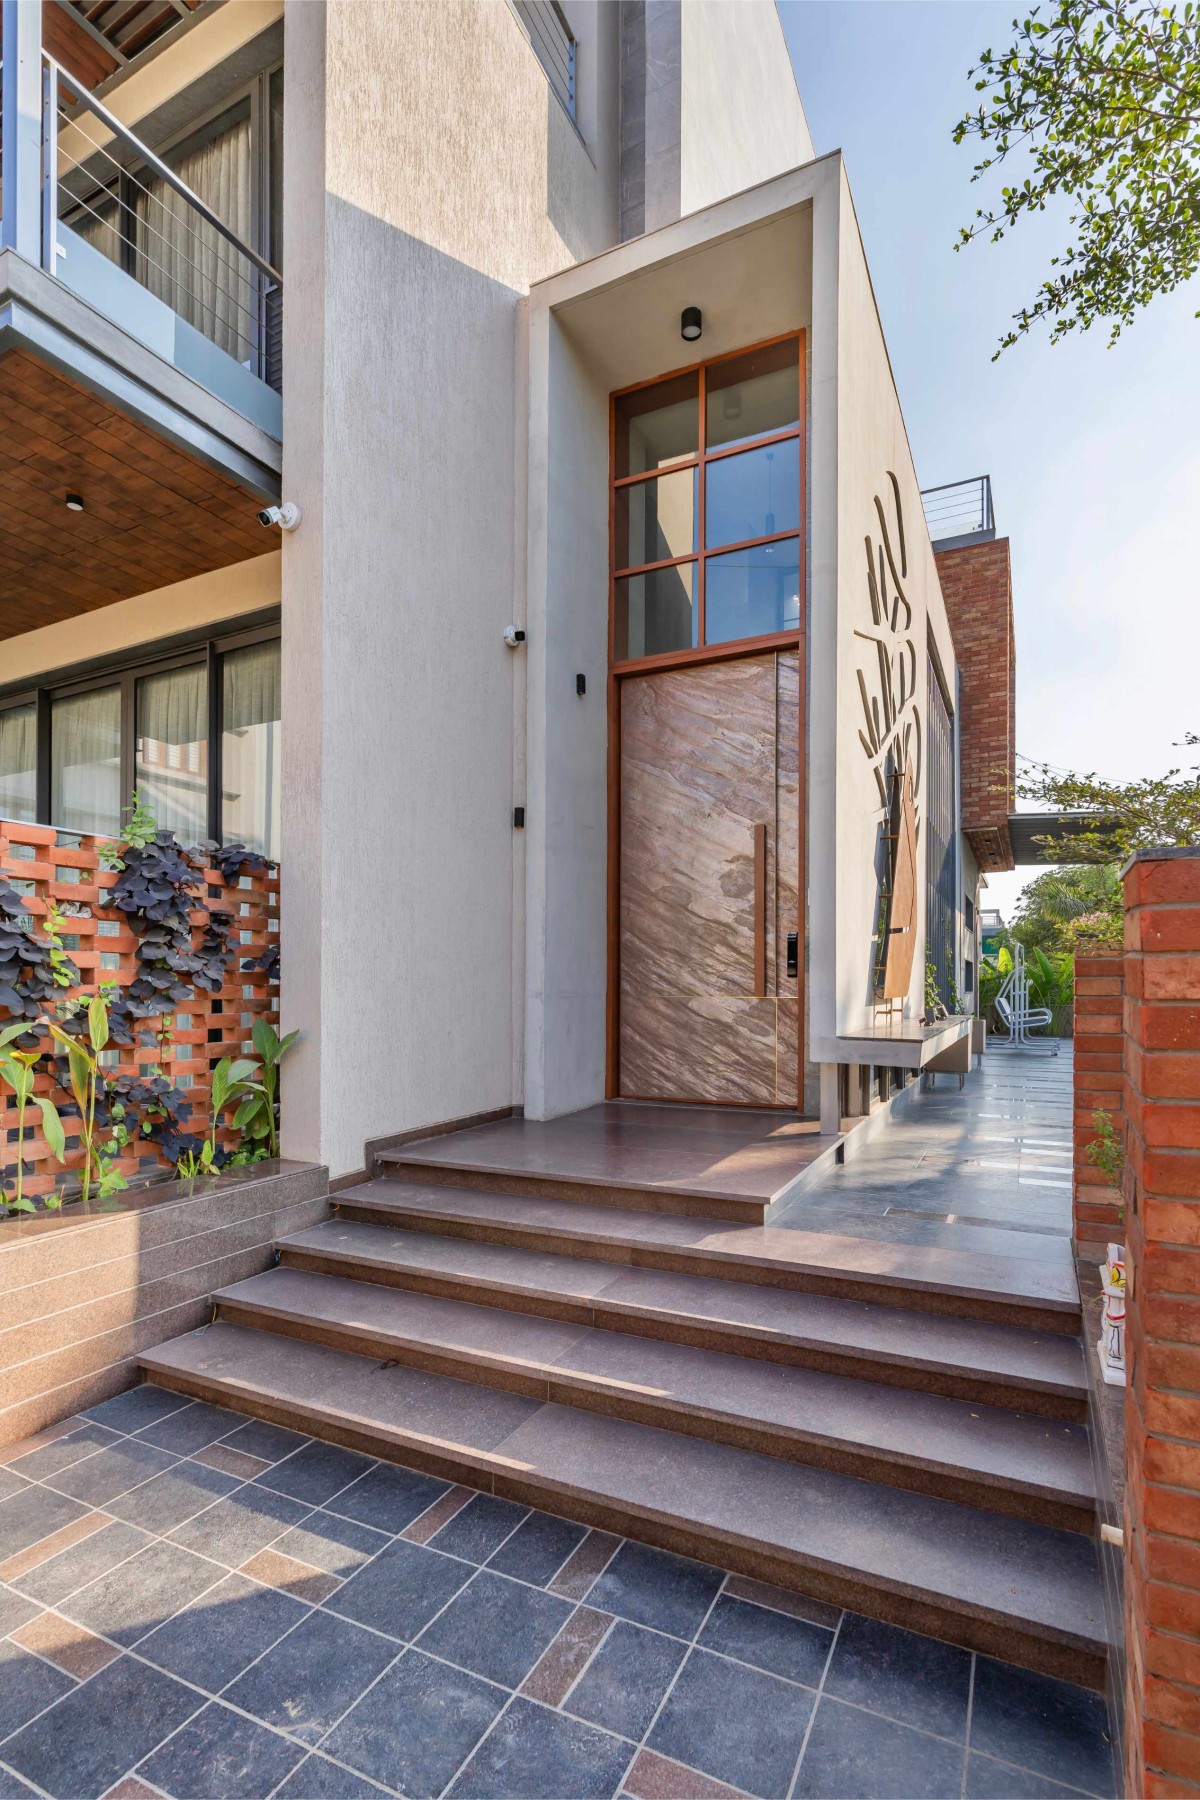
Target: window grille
{"x": 553, "y": 44}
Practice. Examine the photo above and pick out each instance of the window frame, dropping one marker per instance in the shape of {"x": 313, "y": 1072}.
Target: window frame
{"x": 702, "y": 651}
{"x": 124, "y": 672}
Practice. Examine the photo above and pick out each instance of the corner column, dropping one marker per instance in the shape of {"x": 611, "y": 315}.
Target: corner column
{"x": 1099, "y": 1086}
{"x": 21, "y": 198}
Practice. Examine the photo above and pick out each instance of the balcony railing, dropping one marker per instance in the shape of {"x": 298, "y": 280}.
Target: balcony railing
{"x": 960, "y": 511}
{"x": 120, "y": 228}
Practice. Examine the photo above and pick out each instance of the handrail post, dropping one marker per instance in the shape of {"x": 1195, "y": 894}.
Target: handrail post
{"x": 21, "y": 198}
{"x": 49, "y": 168}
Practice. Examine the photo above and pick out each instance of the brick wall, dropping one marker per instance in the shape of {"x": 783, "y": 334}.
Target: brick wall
{"x": 977, "y": 588}
{"x": 1099, "y": 1086}
{"x": 1162, "y": 1235}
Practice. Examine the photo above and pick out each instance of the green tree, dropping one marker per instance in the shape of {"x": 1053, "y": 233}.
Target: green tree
{"x": 1129, "y": 815}
{"x": 1100, "y": 102}
{"x": 1061, "y": 906}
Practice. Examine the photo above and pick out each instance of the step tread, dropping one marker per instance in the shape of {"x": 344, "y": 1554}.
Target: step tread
{"x": 1048, "y": 1285}
{"x": 1017, "y": 1451}
{"x": 976, "y": 1564}
{"x": 1048, "y": 1362}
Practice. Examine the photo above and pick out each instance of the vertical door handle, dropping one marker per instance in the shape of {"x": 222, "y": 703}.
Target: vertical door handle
{"x": 760, "y": 909}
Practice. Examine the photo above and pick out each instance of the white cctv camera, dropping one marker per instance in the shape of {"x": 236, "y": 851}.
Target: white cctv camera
{"x": 287, "y": 516}
{"x": 514, "y": 636}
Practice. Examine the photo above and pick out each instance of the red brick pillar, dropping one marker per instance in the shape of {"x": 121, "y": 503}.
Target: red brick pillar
{"x": 1162, "y": 1235}
{"x": 1099, "y": 1087}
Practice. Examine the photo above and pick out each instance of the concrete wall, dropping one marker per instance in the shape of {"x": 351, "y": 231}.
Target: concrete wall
{"x": 213, "y": 599}
{"x": 740, "y": 114}
{"x": 430, "y": 174}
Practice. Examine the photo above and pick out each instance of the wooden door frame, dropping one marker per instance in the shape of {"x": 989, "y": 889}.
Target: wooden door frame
{"x": 700, "y": 655}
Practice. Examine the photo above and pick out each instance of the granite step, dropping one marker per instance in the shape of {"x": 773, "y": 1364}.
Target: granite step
{"x": 981, "y": 1456}
{"x": 1040, "y": 1296}
{"x": 965, "y": 1359}
{"x": 1010, "y": 1587}
{"x": 693, "y": 1197}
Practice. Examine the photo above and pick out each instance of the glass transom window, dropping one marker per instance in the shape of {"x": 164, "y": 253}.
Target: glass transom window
{"x": 707, "y": 505}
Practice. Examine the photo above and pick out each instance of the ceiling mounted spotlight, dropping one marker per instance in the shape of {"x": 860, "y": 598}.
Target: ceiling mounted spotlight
{"x": 74, "y": 502}
{"x": 690, "y": 324}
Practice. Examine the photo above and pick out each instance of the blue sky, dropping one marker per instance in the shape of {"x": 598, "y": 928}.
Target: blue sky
{"x": 1094, "y": 453}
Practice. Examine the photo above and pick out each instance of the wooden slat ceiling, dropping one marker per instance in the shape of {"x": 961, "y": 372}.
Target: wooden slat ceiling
{"x": 153, "y": 514}
{"x": 95, "y": 38}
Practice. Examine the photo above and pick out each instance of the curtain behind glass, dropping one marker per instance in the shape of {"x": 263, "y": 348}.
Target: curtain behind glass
{"x": 250, "y": 748}
{"x": 85, "y": 762}
{"x": 18, "y": 764}
{"x": 172, "y": 749}
{"x": 184, "y": 261}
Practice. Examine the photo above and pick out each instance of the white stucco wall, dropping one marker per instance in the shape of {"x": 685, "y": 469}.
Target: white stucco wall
{"x": 741, "y": 117}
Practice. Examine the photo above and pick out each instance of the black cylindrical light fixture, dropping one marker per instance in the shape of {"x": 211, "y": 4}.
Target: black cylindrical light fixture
{"x": 690, "y": 324}
{"x": 74, "y": 502}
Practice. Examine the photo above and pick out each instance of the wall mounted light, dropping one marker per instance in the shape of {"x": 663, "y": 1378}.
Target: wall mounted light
{"x": 74, "y": 502}
{"x": 690, "y": 324}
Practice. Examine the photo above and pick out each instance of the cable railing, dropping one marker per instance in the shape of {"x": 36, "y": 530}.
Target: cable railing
{"x": 101, "y": 183}
{"x": 959, "y": 509}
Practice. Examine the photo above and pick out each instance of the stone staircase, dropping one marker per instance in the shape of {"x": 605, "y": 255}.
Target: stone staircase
{"x": 901, "y": 1431}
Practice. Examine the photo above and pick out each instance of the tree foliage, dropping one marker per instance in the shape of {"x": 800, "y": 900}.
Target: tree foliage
{"x": 1102, "y": 101}
{"x": 1161, "y": 811}
{"x": 1064, "y": 909}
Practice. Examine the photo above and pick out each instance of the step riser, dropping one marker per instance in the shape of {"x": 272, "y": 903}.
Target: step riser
{"x": 890, "y": 1602}
{"x": 732, "y": 1340}
{"x": 583, "y": 1193}
{"x": 715, "y": 1267}
{"x": 566, "y": 1388}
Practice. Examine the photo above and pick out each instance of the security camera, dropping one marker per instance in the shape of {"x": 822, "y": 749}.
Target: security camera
{"x": 287, "y": 516}
{"x": 513, "y": 636}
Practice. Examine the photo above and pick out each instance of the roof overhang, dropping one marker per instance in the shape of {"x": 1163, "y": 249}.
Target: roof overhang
{"x": 1025, "y": 830}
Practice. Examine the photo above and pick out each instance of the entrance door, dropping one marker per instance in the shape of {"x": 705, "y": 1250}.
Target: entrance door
{"x": 708, "y": 901}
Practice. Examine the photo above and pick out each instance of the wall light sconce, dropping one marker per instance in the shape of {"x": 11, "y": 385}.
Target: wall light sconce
{"x": 74, "y": 502}
{"x": 690, "y": 324}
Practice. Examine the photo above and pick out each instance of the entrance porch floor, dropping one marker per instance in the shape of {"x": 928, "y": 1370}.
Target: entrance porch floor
{"x": 198, "y": 1605}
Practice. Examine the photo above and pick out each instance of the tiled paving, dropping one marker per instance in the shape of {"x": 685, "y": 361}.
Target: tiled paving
{"x": 198, "y": 1605}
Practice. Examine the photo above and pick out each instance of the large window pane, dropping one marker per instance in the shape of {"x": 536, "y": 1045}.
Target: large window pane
{"x": 749, "y": 396}
{"x": 250, "y": 748}
{"x": 654, "y": 612}
{"x": 753, "y": 495}
{"x": 85, "y": 762}
{"x": 751, "y": 592}
{"x": 172, "y": 749}
{"x": 656, "y": 519}
{"x": 658, "y": 425}
{"x": 18, "y": 763}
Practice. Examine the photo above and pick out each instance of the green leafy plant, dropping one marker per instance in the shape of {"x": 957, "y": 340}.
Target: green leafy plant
{"x": 933, "y": 997}
{"x": 1127, "y": 815}
{"x": 138, "y": 831}
{"x": 230, "y": 1081}
{"x": 86, "y": 1083}
{"x": 257, "y": 1118}
{"x": 1054, "y": 904}
{"x": 64, "y": 972}
{"x": 1106, "y": 1152}
{"x": 17, "y": 1072}
{"x": 1100, "y": 101}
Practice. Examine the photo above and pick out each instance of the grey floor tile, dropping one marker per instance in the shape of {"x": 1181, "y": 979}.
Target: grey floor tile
{"x": 1049, "y": 1726}
{"x": 626, "y": 1679}
{"x": 401, "y": 1590}
{"x": 39, "y": 1465}
{"x": 416, "y": 1726}
{"x": 219, "y": 1755}
{"x": 988, "y": 1780}
{"x": 312, "y": 1676}
{"x": 388, "y": 1497}
{"x": 11, "y": 1483}
{"x": 15, "y": 1610}
{"x": 12, "y": 1787}
{"x": 27, "y": 1686}
{"x": 652, "y": 1587}
{"x": 222, "y": 1632}
{"x": 316, "y": 1472}
{"x": 339, "y": 1546}
{"x": 770, "y": 1640}
{"x": 497, "y": 1628}
{"x": 164, "y": 1502}
{"x": 317, "y": 1779}
{"x": 479, "y": 1528}
{"x": 859, "y": 1753}
{"x": 73, "y": 1568}
{"x": 100, "y": 1477}
{"x": 240, "y": 1525}
{"x": 537, "y": 1550}
{"x": 191, "y": 1428}
{"x": 736, "y": 1724}
{"x": 142, "y": 1593}
{"x": 542, "y": 1755}
{"x": 270, "y": 1443}
{"x": 23, "y": 1523}
{"x": 137, "y": 1407}
{"x": 92, "y": 1736}
{"x": 915, "y": 1680}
